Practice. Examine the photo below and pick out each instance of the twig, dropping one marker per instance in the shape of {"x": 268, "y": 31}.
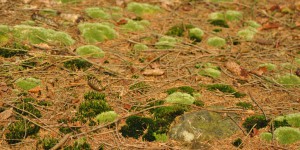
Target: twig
{"x": 247, "y": 135}
{"x": 61, "y": 142}
{"x": 237, "y": 125}
{"x": 252, "y": 98}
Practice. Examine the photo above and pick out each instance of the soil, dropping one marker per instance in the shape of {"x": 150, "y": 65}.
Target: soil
{"x": 276, "y": 42}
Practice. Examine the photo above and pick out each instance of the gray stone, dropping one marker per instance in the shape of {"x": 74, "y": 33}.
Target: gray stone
{"x": 203, "y": 126}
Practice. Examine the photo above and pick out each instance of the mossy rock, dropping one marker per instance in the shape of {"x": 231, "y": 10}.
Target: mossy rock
{"x": 37, "y": 35}
{"x": 289, "y": 80}
{"x": 108, "y": 116}
{"x": 142, "y": 8}
{"x": 166, "y": 42}
{"x": 96, "y": 12}
{"x": 19, "y": 130}
{"x": 97, "y": 32}
{"x": 132, "y": 25}
{"x": 27, "y": 83}
{"x": 287, "y": 135}
{"x": 90, "y": 51}
{"x": 77, "y": 64}
{"x": 216, "y": 42}
{"x": 180, "y": 98}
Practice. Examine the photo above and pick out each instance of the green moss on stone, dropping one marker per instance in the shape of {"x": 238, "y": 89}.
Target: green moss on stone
{"x": 216, "y": 42}
{"x": 287, "y": 135}
{"x": 180, "y": 98}
{"x": 97, "y": 32}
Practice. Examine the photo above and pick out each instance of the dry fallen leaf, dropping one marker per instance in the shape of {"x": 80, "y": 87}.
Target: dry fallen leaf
{"x": 35, "y": 89}
{"x": 6, "y": 114}
{"x": 236, "y": 69}
{"x": 71, "y": 17}
{"x": 153, "y": 72}
{"x": 255, "y": 132}
{"x": 43, "y": 46}
{"x": 154, "y": 65}
{"x": 260, "y": 71}
{"x": 269, "y": 25}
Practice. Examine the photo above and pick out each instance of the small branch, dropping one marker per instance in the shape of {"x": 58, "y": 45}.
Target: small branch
{"x": 237, "y": 125}
{"x": 252, "y": 98}
{"x": 61, "y": 142}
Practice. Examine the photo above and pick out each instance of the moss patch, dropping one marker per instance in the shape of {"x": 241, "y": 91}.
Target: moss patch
{"x": 90, "y": 51}
{"x": 97, "y": 32}
{"x": 27, "y": 83}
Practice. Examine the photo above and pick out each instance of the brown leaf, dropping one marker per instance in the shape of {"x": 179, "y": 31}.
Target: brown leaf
{"x": 260, "y": 71}
{"x": 35, "y": 89}
{"x": 264, "y": 41}
{"x": 269, "y": 25}
{"x": 153, "y": 72}
{"x": 233, "y": 67}
{"x": 71, "y": 17}
{"x": 6, "y": 114}
{"x": 255, "y": 132}
{"x": 275, "y": 7}
{"x": 122, "y": 22}
{"x": 127, "y": 106}
{"x": 43, "y": 46}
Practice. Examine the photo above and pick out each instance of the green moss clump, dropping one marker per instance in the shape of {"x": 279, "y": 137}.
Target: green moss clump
{"x": 244, "y": 105}
{"x": 287, "y": 135}
{"x": 253, "y": 24}
{"x": 216, "y": 42}
{"x": 96, "y": 12}
{"x": 28, "y": 107}
{"x": 37, "y": 35}
{"x": 180, "y": 98}
{"x": 135, "y": 126}
{"x": 292, "y": 120}
{"x": 168, "y": 113}
{"x": 160, "y": 137}
{"x": 247, "y": 34}
{"x": 142, "y": 8}
{"x": 220, "y": 23}
{"x": 19, "y": 130}
{"x": 183, "y": 89}
{"x": 27, "y": 83}
{"x": 4, "y": 35}
{"x": 70, "y": 1}
{"x": 90, "y": 51}
{"x": 139, "y": 47}
{"x": 259, "y": 120}
{"x": 196, "y": 34}
{"x": 225, "y": 89}
{"x": 232, "y": 15}
{"x": 289, "y": 80}
{"x": 140, "y": 87}
{"x": 237, "y": 142}
{"x": 179, "y": 29}
{"x": 92, "y": 95}
{"x": 266, "y": 136}
{"x": 199, "y": 103}
{"x": 29, "y": 64}
{"x": 216, "y": 16}
{"x": 133, "y": 25}
{"x": 48, "y": 142}
{"x": 77, "y": 64}
{"x": 166, "y": 42}
{"x": 91, "y": 108}
{"x": 97, "y": 32}
{"x": 9, "y": 52}
{"x": 80, "y": 144}
{"x": 49, "y": 12}
{"x": 108, "y": 116}
{"x": 269, "y": 66}
{"x": 210, "y": 72}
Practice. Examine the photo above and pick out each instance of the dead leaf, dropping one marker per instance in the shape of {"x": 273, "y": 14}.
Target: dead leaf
{"x": 127, "y": 106}
{"x": 6, "y": 114}
{"x": 260, "y": 71}
{"x": 71, "y": 17}
{"x": 43, "y": 46}
{"x": 153, "y": 72}
{"x": 154, "y": 65}
{"x": 37, "y": 89}
{"x": 275, "y": 7}
{"x": 122, "y": 22}
{"x": 3, "y": 87}
{"x": 233, "y": 67}
{"x": 269, "y": 25}
{"x": 255, "y": 132}
{"x": 264, "y": 41}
